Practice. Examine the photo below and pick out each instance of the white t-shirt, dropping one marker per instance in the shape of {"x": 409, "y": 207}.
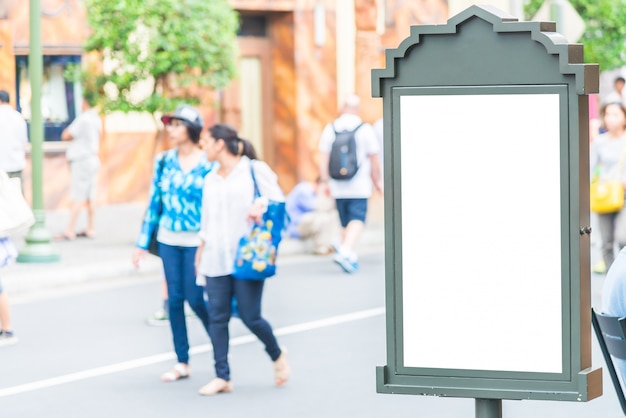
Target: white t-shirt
{"x": 85, "y": 130}
{"x": 13, "y": 139}
{"x": 359, "y": 186}
{"x": 606, "y": 155}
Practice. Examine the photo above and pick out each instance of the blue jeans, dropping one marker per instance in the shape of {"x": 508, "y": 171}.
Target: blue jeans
{"x": 248, "y": 293}
{"x": 180, "y": 275}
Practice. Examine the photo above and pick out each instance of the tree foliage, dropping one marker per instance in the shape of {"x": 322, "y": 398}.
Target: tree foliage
{"x": 152, "y": 51}
{"x": 605, "y": 33}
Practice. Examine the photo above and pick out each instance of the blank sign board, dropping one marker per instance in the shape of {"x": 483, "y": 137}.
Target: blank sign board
{"x": 481, "y": 232}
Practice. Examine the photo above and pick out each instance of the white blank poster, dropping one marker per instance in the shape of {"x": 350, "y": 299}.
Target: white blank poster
{"x": 481, "y": 232}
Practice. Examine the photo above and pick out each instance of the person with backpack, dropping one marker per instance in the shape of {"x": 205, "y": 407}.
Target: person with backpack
{"x": 349, "y": 167}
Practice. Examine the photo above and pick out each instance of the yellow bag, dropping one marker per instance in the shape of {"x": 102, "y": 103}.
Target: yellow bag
{"x": 606, "y": 196}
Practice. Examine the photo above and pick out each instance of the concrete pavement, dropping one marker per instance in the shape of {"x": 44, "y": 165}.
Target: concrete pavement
{"x": 108, "y": 256}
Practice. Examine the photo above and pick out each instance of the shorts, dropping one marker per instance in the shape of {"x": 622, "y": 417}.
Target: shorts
{"x": 17, "y": 175}
{"x": 8, "y": 252}
{"x": 351, "y": 210}
{"x": 84, "y": 177}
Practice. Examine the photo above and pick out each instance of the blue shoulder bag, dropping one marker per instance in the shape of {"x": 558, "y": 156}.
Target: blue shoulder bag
{"x": 257, "y": 251}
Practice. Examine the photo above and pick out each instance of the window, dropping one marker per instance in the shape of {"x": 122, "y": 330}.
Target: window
{"x": 252, "y": 25}
{"x": 60, "y": 99}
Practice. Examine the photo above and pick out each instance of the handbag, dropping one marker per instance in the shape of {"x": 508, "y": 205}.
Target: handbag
{"x": 153, "y": 245}
{"x": 256, "y": 254}
{"x": 15, "y": 213}
{"x": 607, "y": 196}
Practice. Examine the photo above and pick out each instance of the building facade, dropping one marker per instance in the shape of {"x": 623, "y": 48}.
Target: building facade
{"x": 297, "y": 59}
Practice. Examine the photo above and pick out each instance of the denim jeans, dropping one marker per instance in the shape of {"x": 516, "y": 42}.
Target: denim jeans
{"x": 178, "y": 264}
{"x": 248, "y": 294}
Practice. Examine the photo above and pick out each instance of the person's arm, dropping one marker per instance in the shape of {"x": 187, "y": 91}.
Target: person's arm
{"x": 324, "y": 159}
{"x": 74, "y": 129}
{"x": 326, "y": 143}
{"x": 204, "y": 233}
{"x": 66, "y": 135}
{"x": 267, "y": 182}
{"x": 372, "y": 149}
{"x": 23, "y": 133}
{"x": 375, "y": 172}
{"x": 151, "y": 217}
{"x": 594, "y": 159}
{"x": 198, "y": 256}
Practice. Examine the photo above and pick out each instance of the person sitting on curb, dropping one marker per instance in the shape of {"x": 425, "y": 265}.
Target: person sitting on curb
{"x": 312, "y": 215}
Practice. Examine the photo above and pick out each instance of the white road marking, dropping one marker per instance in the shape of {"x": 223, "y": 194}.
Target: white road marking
{"x": 159, "y": 358}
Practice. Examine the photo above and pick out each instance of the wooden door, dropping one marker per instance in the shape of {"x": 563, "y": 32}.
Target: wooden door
{"x": 247, "y": 102}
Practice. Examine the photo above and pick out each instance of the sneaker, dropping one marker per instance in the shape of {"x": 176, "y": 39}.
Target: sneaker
{"x": 158, "y": 319}
{"x": 599, "y": 267}
{"x": 346, "y": 264}
{"x": 7, "y": 338}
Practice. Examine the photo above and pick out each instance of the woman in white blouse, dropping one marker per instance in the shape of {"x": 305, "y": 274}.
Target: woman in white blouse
{"x": 228, "y": 210}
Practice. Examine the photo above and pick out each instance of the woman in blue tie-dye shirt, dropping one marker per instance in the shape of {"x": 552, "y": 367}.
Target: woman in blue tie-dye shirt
{"x": 177, "y": 184}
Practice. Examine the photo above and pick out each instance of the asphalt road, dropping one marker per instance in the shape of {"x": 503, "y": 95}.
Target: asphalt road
{"x": 86, "y": 352}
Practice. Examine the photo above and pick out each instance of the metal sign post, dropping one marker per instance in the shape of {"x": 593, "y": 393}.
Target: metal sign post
{"x": 486, "y": 202}
{"x": 38, "y": 247}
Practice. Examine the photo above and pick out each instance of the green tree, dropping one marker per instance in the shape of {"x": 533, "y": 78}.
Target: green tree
{"x": 605, "y": 32}
{"x": 152, "y": 51}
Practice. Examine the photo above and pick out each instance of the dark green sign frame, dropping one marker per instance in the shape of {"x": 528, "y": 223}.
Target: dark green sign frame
{"x": 481, "y": 52}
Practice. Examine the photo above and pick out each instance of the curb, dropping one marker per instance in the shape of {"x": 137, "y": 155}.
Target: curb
{"x": 103, "y": 260}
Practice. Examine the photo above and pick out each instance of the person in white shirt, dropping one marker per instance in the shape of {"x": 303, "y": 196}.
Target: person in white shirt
{"x": 229, "y": 207}
{"x": 351, "y": 195}
{"x": 13, "y": 139}
{"x": 84, "y": 132}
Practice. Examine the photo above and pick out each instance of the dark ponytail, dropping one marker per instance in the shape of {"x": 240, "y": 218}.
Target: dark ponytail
{"x": 248, "y": 149}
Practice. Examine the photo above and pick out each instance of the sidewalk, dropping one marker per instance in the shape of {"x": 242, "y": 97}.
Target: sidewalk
{"x": 108, "y": 255}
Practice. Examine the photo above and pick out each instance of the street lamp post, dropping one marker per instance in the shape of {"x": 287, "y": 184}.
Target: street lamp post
{"x": 556, "y": 13}
{"x": 38, "y": 240}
